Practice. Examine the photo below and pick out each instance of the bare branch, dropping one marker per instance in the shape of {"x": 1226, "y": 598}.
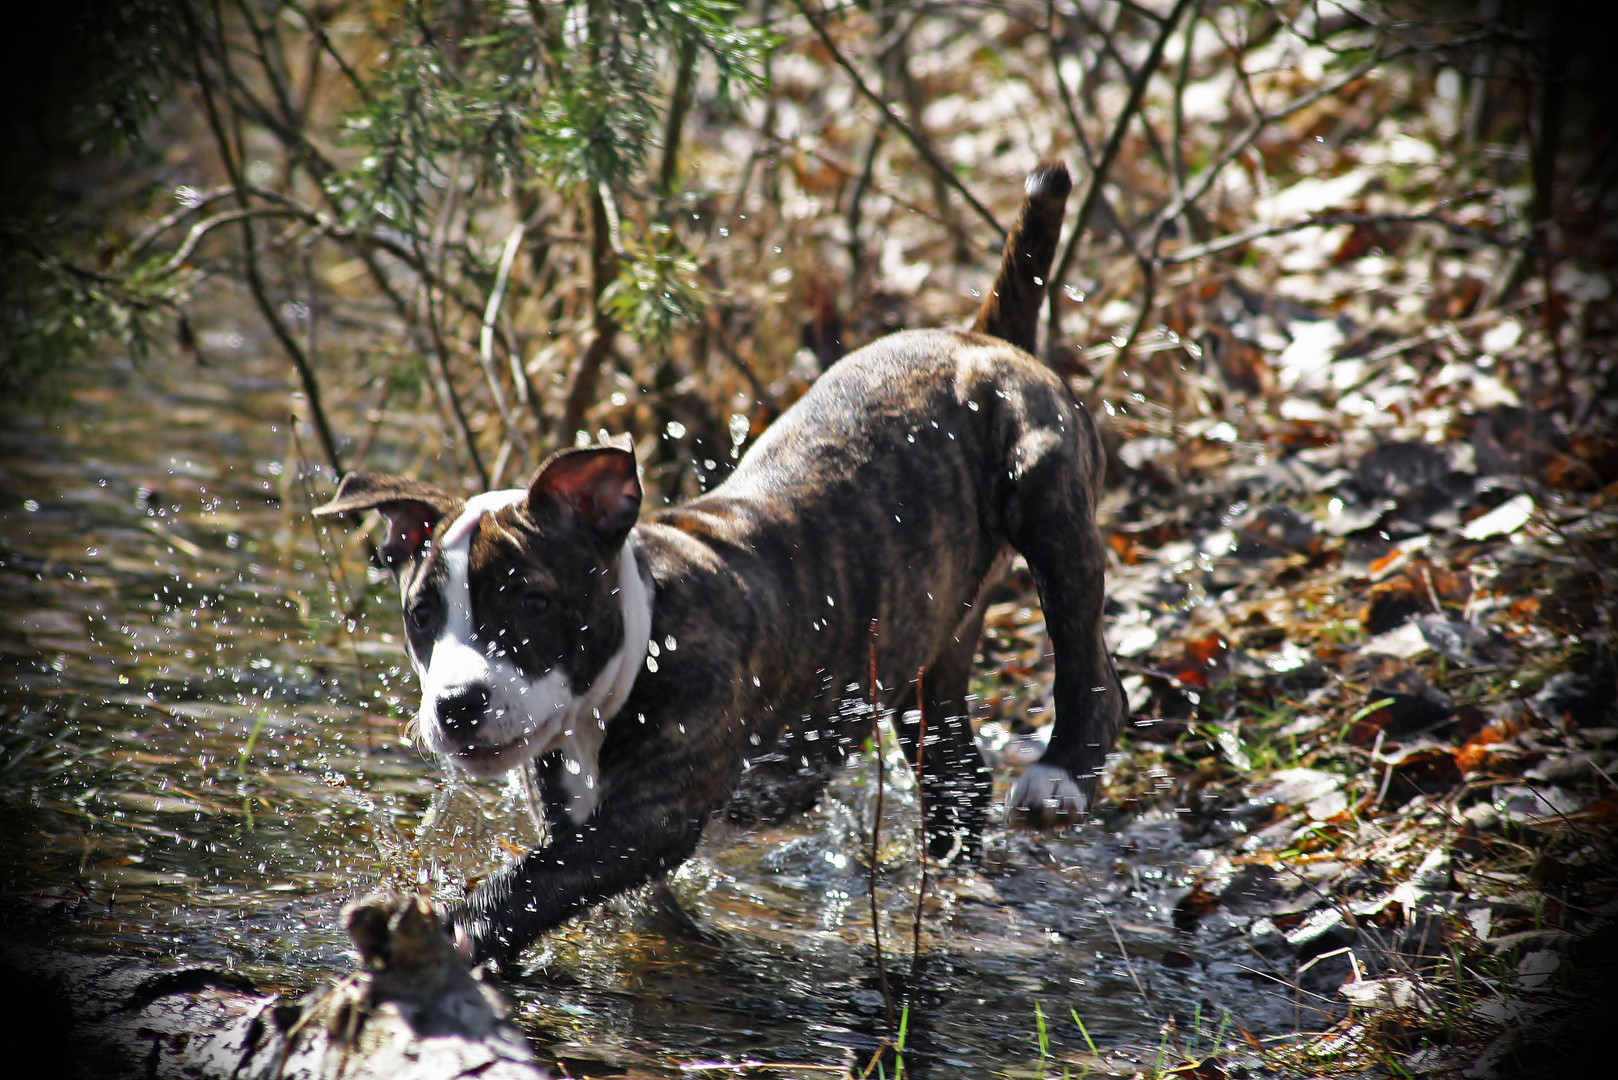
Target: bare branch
{"x": 1109, "y": 154}
{"x": 508, "y": 255}
{"x": 318, "y": 29}
{"x": 228, "y": 152}
{"x": 919, "y": 144}
{"x": 207, "y": 225}
{"x": 1323, "y": 221}
{"x": 1206, "y": 178}
{"x": 149, "y": 235}
{"x": 1062, "y": 90}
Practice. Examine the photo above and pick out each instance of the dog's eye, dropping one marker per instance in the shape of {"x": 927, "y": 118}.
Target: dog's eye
{"x": 419, "y": 617}
{"x": 535, "y": 603}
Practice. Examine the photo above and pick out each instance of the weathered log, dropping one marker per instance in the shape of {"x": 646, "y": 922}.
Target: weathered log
{"x": 413, "y": 1012}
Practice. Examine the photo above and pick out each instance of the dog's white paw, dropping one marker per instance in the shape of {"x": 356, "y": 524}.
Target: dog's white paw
{"x": 1045, "y": 796}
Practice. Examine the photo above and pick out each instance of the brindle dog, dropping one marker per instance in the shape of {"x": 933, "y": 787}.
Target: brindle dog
{"x": 714, "y": 655}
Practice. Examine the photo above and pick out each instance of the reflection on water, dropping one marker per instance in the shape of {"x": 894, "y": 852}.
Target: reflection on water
{"x": 202, "y": 755}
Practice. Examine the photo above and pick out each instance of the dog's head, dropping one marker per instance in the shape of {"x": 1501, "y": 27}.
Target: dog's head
{"x": 526, "y": 616}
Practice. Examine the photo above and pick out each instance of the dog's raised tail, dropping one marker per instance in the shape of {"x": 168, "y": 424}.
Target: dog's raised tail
{"x": 1011, "y": 310}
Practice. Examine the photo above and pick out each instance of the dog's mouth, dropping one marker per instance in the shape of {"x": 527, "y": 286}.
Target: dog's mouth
{"x": 487, "y": 760}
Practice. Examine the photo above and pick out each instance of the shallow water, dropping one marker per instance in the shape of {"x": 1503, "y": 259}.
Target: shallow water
{"x": 203, "y": 755}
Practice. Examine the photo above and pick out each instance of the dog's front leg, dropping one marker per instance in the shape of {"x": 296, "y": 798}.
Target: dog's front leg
{"x": 1051, "y": 520}
{"x": 660, "y": 780}
{"x": 632, "y": 837}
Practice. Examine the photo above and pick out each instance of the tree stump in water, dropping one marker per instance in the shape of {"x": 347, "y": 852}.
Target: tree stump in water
{"x": 412, "y": 1011}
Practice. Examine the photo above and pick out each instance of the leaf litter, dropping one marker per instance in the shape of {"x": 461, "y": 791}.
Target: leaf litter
{"x": 1381, "y": 568}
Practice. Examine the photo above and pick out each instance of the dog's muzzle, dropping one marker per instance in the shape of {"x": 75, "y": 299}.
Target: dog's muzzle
{"x": 461, "y": 711}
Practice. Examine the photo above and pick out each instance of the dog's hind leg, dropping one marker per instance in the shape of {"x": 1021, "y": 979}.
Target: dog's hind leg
{"x": 955, "y": 781}
{"x": 1051, "y": 521}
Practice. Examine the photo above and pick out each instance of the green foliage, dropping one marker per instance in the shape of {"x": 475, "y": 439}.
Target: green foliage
{"x": 80, "y": 80}
{"x": 553, "y": 96}
{"x": 41, "y": 326}
{"x": 484, "y": 99}
{"x": 657, "y": 287}
{"x": 53, "y": 314}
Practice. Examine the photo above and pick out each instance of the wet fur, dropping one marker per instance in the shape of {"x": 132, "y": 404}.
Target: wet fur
{"x": 876, "y": 509}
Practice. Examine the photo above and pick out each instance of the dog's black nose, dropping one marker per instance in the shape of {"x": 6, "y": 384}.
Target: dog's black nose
{"x": 460, "y": 712}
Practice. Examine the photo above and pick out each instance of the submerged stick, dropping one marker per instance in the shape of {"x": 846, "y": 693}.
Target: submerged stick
{"x": 921, "y": 827}
{"x": 876, "y": 838}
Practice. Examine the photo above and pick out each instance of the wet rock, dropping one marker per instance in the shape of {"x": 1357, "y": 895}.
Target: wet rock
{"x": 1298, "y": 787}
{"x": 1222, "y": 926}
{"x": 1514, "y": 440}
{"x": 1321, "y": 932}
{"x": 1399, "y": 470}
{"x": 413, "y": 1013}
{"x": 1584, "y": 697}
{"x": 1503, "y": 520}
{"x": 1254, "y": 888}
{"x": 1434, "y": 871}
{"x": 1532, "y": 804}
{"x": 1425, "y": 767}
{"x": 1404, "y": 642}
{"x": 1410, "y": 585}
{"x": 1462, "y": 643}
{"x": 1413, "y": 704}
{"x": 1276, "y": 530}
{"x": 1268, "y": 939}
{"x": 1347, "y": 518}
{"x": 1325, "y": 974}
{"x": 1421, "y": 481}
{"x": 1193, "y": 906}
{"x": 1573, "y": 767}
{"x": 1391, "y": 603}
{"x": 412, "y": 962}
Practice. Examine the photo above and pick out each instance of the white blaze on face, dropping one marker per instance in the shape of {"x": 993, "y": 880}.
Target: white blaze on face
{"x": 456, "y": 662}
{"x": 526, "y": 718}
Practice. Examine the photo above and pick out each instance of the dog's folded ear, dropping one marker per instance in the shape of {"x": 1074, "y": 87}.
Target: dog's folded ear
{"x": 411, "y": 507}
{"x": 595, "y": 487}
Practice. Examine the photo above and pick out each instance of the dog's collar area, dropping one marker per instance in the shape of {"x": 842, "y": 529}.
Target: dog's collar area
{"x": 635, "y": 603}
{"x": 606, "y": 695}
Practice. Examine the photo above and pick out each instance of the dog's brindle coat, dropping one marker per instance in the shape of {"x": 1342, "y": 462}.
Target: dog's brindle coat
{"x": 716, "y": 654}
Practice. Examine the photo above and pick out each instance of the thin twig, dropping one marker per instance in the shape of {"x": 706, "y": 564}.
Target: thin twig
{"x": 508, "y": 255}
{"x": 1177, "y": 115}
{"x": 207, "y": 225}
{"x": 438, "y": 364}
{"x": 198, "y": 202}
{"x": 587, "y": 369}
{"x": 1062, "y": 90}
{"x": 1325, "y": 221}
{"x": 721, "y": 338}
{"x": 1109, "y": 50}
{"x": 1206, "y": 178}
{"x": 876, "y": 838}
{"x": 320, "y": 169}
{"x": 921, "y": 827}
{"x": 1109, "y": 154}
{"x": 856, "y": 203}
{"x": 668, "y": 171}
{"x": 228, "y": 156}
{"x": 919, "y": 144}
{"x": 336, "y": 576}
{"x": 1123, "y": 953}
{"x": 318, "y": 30}
{"x": 1185, "y": 197}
